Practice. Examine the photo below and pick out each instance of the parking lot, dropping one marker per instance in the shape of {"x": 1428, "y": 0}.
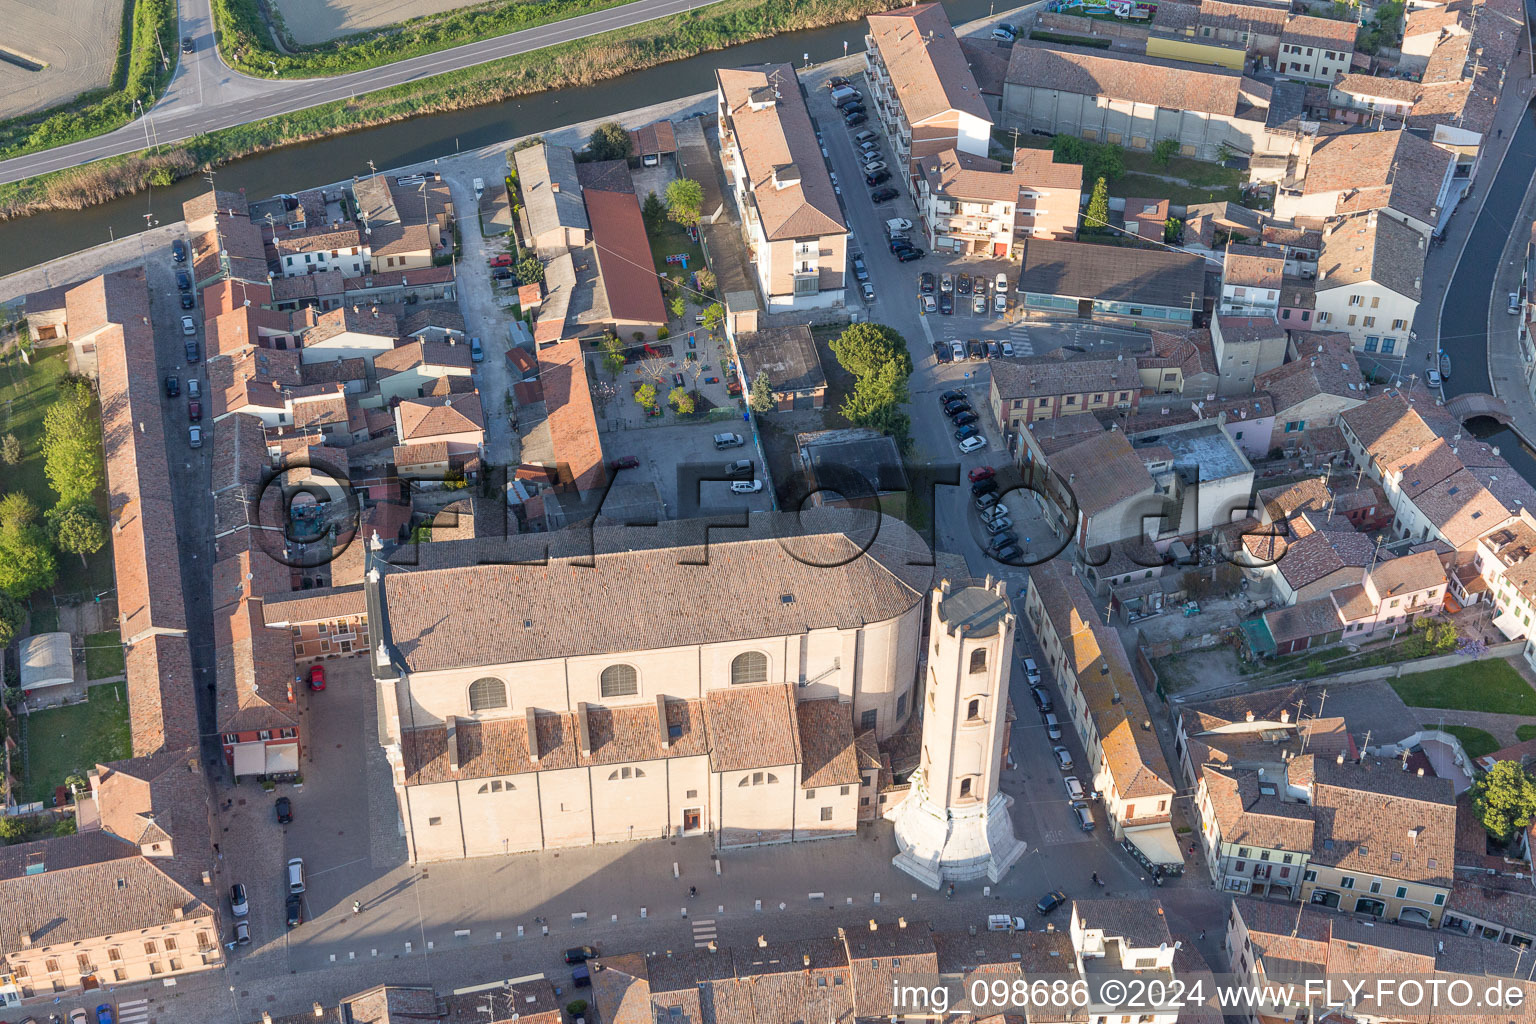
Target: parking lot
{"x": 680, "y": 459}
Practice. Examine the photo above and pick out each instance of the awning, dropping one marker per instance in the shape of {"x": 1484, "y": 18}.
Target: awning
{"x": 1510, "y": 625}
{"x": 282, "y": 757}
{"x": 250, "y": 759}
{"x": 1159, "y": 844}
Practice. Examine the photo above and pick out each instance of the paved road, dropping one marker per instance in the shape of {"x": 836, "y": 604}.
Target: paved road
{"x": 206, "y": 94}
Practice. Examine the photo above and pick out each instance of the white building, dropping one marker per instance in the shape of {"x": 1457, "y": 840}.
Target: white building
{"x": 1318, "y": 49}
{"x": 1370, "y": 279}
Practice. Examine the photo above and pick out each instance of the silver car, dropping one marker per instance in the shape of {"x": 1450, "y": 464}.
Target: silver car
{"x": 1063, "y": 758}
{"x": 1084, "y": 816}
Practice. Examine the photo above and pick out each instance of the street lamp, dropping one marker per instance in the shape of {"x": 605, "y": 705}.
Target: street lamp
{"x": 274, "y": 67}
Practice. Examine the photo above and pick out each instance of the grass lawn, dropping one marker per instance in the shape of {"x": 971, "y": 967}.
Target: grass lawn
{"x": 1476, "y": 742}
{"x": 1492, "y": 685}
{"x": 65, "y": 741}
{"x": 1525, "y": 732}
{"x": 670, "y": 238}
{"x": 103, "y": 655}
{"x": 839, "y": 381}
{"x": 1143, "y": 185}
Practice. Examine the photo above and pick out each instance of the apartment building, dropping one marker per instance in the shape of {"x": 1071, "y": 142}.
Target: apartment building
{"x": 969, "y": 204}
{"x": 1370, "y": 280}
{"x": 1045, "y": 387}
{"x": 1313, "y": 389}
{"x": 1148, "y": 287}
{"x": 921, "y": 85}
{"x": 1103, "y": 703}
{"x": 797, "y": 239}
{"x": 1245, "y": 348}
{"x": 1396, "y": 172}
{"x": 1250, "y": 280}
{"x": 1317, "y": 49}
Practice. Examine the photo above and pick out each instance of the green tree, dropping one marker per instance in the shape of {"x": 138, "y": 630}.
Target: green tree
{"x": 1105, "y": 161}
{"x": 17, "y": 510}
{"x": 613, "y": 354}
{"x": 760, "y": 398}
{"x": 678, "y": 306}
{"x": 26, "y": 561}
{"x": 714, "y": 316}
{"x": 681, "y": 400}
{"x": 1069, "y": 149}
{"x": 1164, "y": 152}
{"x": 685, "y": 199}
{"x": 530, "y": 269}
{"x": 1504, "y": 799}
{"x": 609, "y": 142}
{"x": 885, "y": 388}
{"x": 77, "y": 529}
{"x": 12, "y": 829}
{"x": 1173, "y": 230}
{"x": 1098, "y": 206}
{"x": 652, "y": 210}
{"x": 13, "y": 616}
{"x": 865, "y": 347}
{"x": 10, "y": 449}
{"x": 645, "y": 394}
{"x": 72, "y": 446}
{"x": 705, "y": 278}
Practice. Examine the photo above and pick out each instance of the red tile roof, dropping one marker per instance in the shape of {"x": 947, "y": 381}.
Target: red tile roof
{"x": 572, "y": 420}
{"x": 624, "y": 258}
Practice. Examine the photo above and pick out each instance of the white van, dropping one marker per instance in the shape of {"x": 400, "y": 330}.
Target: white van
{"x": 479, "y": 187}
{"x": 296, "y": 876}
{"x": 1006, "y": 923}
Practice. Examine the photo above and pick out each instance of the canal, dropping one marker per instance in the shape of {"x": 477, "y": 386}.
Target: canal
{"x": 31, "y": 240}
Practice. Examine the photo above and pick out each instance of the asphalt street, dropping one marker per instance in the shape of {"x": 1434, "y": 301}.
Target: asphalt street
{"x": 206, "y": 94}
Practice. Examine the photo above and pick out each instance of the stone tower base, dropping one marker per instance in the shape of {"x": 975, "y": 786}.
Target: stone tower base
{"x": 939, "y": 845}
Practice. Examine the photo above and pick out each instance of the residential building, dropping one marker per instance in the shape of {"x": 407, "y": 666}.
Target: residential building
{"x": 1108, "y": 494}
{"x": 797, "y": 239}
{"x": 1248, "y": 419}
{"x": 1245, "y": 348}
{"x": 623, "y": 252}
{"x": 455, "y": 421}
{"x": 408, "y": 370}
{"x": 1211, "y": 30}
{"x": 1250, "y": 280}
{"x": 1405, "y": 177}
{"x": 1145, "y": 286}
{"x": 1104, "y": 704}
{"x": 571, "y": 421}
{"x": 1211, "y": 226}
{"x": 1201, "y": 475}
{"x": 707, "y": 733}
{"x": 256, "y": 714}
{"x": 969, "y": 204}
{"x": 921, "y": 85}
{"x": 557, "y": 217}
{"x": 1045, "y": 387}
{"x": 129, "y": 898}
{"x": 1315, "y": 388}
{"x": 1317, "y": 49}
{"x": 1181, "y": 362}
{"x": 363, "y": 332}
{"x": 1372, "y": 99}
{"x": 1370, "y": 280}
{"x": 788, "y": 356}
{"x": 327, "y": 247}
{"x": 1146, "y": 218}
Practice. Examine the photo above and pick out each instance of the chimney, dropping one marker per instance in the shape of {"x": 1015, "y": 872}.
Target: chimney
{"x": 762, "y": 943}
{"x": 901, "y": 922}
{"x": 1285, "y": 716}
{"x": 873, "y": 926}
{"x": 554, "y": 186}
{"x": 26, "y": 938}
{"x": 178, "y": 914}
{"x": 1249, "y": 716}
{"x": 1340, "y": 759}
{"x": 1421, "y": 775}
{"x": 319, "y": 1010}
{"x": 533, "y": 737}
{"x": 805, "y": 959}
{"x": 266, "y": 1017}
{"x": 1418, "y": 283}
{"x": 453, "y": 743}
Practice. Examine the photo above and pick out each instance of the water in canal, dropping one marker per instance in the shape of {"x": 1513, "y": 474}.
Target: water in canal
{"x": 45, "y": 236}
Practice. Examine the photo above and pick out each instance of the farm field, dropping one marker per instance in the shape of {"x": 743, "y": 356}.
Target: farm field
{"x": 310, "y": 22}
{"x": 77, "y": 42}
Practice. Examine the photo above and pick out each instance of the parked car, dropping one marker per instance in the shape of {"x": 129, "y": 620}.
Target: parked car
{"x": 1042, "y": 697}
{"x": 500, "y": 260}
{"x": 188, "y": 325}
{"x": 963, "y": 284}
{"x": 925, "y": 282}
{"x": 956, "y": 351}
{"x": 1002, "y": 35}
{"x": 854, "y": 120}
{"x": 965, "y": 419}
{"x": 1001, "y": 284}
{"x": 316, "y": 678}
{"x": 1514, "y": 303}
{"x": 242, "y": 932}
{"x": 979, "y": 303}
{"x": 295, "y": 908}
{"x": 875, "y": 167}
{"x": 741, "y": 467}
{"x": 864, "y": 136}
{"x": 194, "y": 388}
{"x": 835, "y": 82}
{"x": 1084, "y": 816}
{"x": 188, "y": 44}
{"x": 1063, "y": 758}
{"x": 986, "y": 486}
{"x": 183, "y": 281}
{"x": 900, "y": 241}
{"x": 580, "y": 954}
{"x": 77, "y": 1016}
{"x": 179, "y": 251}
{"x": 624, "y": 462}
{"x": 946, "y": 282}
{"x": 973, "y": 444}
{"x": 1052, "y": 726}
{"x": 1000, "y": 302}
{"x": 104, "y": 1014}
{"x": 946, "y": 304}
{"x": 172, "y": 386}
{"x": 195, "y": 436}
{"x": 957, "y": 407}
{"x": 1009, "y": 553}
{"x": 928, "y": 304}
{"x": 860, "y": 271}
{"x": 910, "y": 253}
{"x": 1006, "y": 923}
{"x": 852, "y": 108}
{"x": 941, "y": 352}
{"x": 1432, "y": 378}
{"x": 724, "y": 441}
{"x": 193, "y": 353}
{"x": 1006, "y": 539}
{"x": 746, "y": 487}
{"x": 993, "y": 350}
{"x": 995, "y": 512}
{"x": 976, "y": 349}
{"x": 1032, "y": 673}
{"x": 476, "y": 351}
{"x": 867, "y": 290}
{"x": 238, "y": 904}
{"x": 296, "y": 876}
{"x": 1050, "y": 901}
{"x": 882, "y": 195}
{"x": 985, "y": 501}
{"x": 1007, "y": 350}
{"x": 187, "y": 301}
{"x": 284, "y": 810}
{"x": 876, "y": 175}
{"x": 848, "y": 98}
{"x": 1075, "y": 789}
{"x": 194, "y": 410}
{"x": 966, "y": 432}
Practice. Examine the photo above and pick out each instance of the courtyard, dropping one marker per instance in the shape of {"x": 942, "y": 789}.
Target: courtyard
{"x": 66, "y": 741}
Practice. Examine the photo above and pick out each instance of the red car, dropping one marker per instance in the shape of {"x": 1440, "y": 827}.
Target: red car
{"x": 503, "y": 260}
{"x": 316, "y": 679}
{"x": 981, "y": 473}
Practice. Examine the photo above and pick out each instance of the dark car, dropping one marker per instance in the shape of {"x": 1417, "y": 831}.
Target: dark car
{"x": 976, "y": 350}
{"x": 284, "y": 810}
{"x": 179, "y": 251}
{"x": 626, "y": 462}
{"x": 183, "y": 281}
{"x": 956, "y": 407}
{"x": 963, "y": 284}
{"x": 946, "y": 304}
{"x": 581, "y": 976}
{"x": 188, "y": 44}
{"x": 981, "y": 473}
{"x": 1042, "y": 698}
{"x": 195, "y": 410}
{"x": 994, "y": 350}
{"x": 1004, "y": 539}
{"x": 172, "y": 387}
{"x": 187, "y": 302}
{"x": 192, "y": 352}
{"x": 986, "y": 486}
{"x": 941, "y": 352}
{"x": 1009, "y": 553}
{"x": 910, "y": 254}
{"x": 104, "y": 1013}
{"x": 854, "y": 120}
{"x": 836, "y": 82}
{"x": 852, "y": 108}
{"x": 900, "y": 242}
{"x": 925, "y": 282}
{"x": 965, "y": 432}
{"x": 883, "y": 195}
{"x": 1050, "y": 901}
{"x": 295, "y": 911}
{"x": 962, "y": 419}
{"x": 878, "y": 178}
{"x": 580, "y": 954}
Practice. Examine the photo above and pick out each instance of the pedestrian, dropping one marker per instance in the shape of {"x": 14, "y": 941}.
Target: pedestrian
{"x": 1202, "y": 934}
{"x": 357, "y": 906}
{"x": 1501, "y": 133}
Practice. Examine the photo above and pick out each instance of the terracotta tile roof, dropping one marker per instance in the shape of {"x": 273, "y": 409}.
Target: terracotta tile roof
{"x": 1248, "y": 818}
{"x": 1303, "y": 30}
{"x": 1368, "y": 247}
{"x": 656, "y": 137}
{"x": 1400, "y": 90}
{"x": 826, "y": 744}
{"x": 1044, "y": 376}
{"x": 928, "y": 68}
{"x": 162, "y": 710}
{"x": 1376, "y": 169}
{"x": 1379, "y": 820}
{"x": 1282, "y": 502}
{"x": 571, "y": 416}
{"x": 1324, "y": 369}
{"x": 1252, "y": 266}
{"x": 540, "y": 168}
{"x": 1461, "y": 508}
{"x": 964, "y": 176}
{"x": 423, "y": 319}
{"x": 316, "y": 239}
{"x": 434, "y": 622}
{"x": 1102, "y": 471}
{"x": 345, "y": 319}
{"x": 318, "y": 605}
{"x": 775, "y": 137}
{"x": 1141, "y": 922}
{"x": 1408, "y": 574}
{"x": 624, "y": 257}
{"x": 752, "y": 727}
{"x": 1175, "y": 85}
{"x": 204, "y": 205}
{"x": 421, "y": 418}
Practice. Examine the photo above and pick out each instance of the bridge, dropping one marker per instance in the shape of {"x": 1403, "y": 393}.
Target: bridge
{"x": 1474, "y": 404}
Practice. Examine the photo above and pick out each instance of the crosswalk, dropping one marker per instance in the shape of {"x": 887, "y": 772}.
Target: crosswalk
{"x": 133, "y": 1011}
{"x": 703, "y": 932}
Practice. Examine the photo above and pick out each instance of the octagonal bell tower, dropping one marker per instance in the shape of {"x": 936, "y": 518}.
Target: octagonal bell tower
{"x": 954, "y": 824}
